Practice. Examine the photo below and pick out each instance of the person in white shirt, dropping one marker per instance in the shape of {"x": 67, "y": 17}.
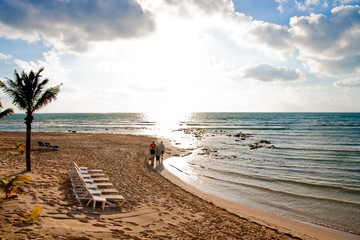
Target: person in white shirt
{"x": 157, "y": 154}
{"x": 162, "y": 149}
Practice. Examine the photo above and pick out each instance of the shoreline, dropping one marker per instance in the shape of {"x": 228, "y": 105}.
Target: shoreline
{"x": 155, "y": 207}
{"x": 290, "y": 226}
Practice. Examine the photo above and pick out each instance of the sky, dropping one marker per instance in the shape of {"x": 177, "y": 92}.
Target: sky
{"x": 174, "y": 56}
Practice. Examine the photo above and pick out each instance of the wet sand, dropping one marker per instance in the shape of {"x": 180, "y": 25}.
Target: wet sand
{"x": 158, "y": 205}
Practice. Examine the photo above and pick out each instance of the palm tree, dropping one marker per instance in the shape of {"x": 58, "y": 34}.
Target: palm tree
{"x": 28, "y": 94}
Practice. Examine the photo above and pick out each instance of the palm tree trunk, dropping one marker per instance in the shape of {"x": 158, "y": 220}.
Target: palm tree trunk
{"x": 28, "y": 141}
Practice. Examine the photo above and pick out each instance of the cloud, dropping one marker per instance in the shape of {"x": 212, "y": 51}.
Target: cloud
{"x": 273, "y": 40}
{"x": 191, "y": 8}
{"x": 348, "y": 83}
{"x": 73, "y": 24}
{"x": 267, "y": 73}
{"x": 308, "y": 91}
{"x": 273, "y": 36}
{"x": 329, "y": 45}
{"x": 304, "y": 5}
{"x": 4, "y": 56}
{"x": 204, "y": 6}
{"x": 281, "y": 3}
{"x": 52, "y": 64}
{"x": 218, "y": 17}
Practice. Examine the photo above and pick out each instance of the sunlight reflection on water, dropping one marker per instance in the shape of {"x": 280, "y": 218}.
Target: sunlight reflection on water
{"x": 179, "y": 167}
{"x": 168, "y": 125}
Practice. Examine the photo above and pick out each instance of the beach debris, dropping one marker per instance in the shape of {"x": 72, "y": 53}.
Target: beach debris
{"x": 33, "y": 216}
{"x": 186, "y": 154}
{"x": 241, "y": 135}
{"x": 12, "y": 187}
{"x": 20, "y": 147}
{"x": 261, "y": 144}
{"x": 196, "y": 132}
{"x": 264, "y": 141}
{"x": 207, "y": 151}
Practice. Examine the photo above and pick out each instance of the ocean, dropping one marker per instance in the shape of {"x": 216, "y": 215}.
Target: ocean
{"x": 304, "y": 166}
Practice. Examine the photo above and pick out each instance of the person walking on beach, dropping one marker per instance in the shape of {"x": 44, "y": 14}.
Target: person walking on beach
{"x": 157, "y": 154}
{"x": 162, "y": 149}
{"x": 152, "y": 152}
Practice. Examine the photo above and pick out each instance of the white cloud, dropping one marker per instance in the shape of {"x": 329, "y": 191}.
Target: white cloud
{"x": 272, "y": 39}
{"x": 310, "y": 90}
{"x": 348, "y": 83}
{"x": 73, "y": 24}
{"x": 281, "y": 3}
{"x": 213, "y": 17}
{"x": 329, "y": 45}
{"x": 4, "y": 56}
{"x": 52, "y": 64}
{"x": 267, "y": 73}
{"x": 189, "y": 8}
{"x": 307, "y": 4}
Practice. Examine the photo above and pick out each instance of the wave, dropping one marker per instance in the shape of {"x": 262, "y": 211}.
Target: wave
{"x": 349, "y": 189}
{"x": 232, "y": 127}
{"x": 323, "y": 149}
{"x": 339, "y": 125}
{"x": 306, "y": 197}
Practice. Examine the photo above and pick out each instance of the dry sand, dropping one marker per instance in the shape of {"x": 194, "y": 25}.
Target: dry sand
{"x": 156, "y": 208}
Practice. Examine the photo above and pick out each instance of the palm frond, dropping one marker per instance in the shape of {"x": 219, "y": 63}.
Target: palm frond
{"x": 19, "y": 180}
{"x": 17, "y": 95}
{"x": 39, "y": 88}
{"x": 49, "y": 95}
{"x": 15, "y": 90}
{"x": 3, "y": 86}
{"x": 7, "y": 112}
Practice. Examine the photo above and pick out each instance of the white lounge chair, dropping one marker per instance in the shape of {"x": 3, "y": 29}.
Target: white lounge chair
{"x": 85, "y": 188}
{"x": 87, "y": 170}
{"x": 83, "y": 193}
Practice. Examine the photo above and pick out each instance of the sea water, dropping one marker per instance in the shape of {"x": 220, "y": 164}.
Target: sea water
{"x": 308, "y": 167}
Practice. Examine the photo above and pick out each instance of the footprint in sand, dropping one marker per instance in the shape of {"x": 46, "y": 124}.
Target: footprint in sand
{"x": 132, "y": 223}
{"x": 146, "y": 233}
{"x": 117, "y": 231}
{"x": 99, "y": 225}
{"x": 145, "y": 226}
{"x": 117, "y": 224}
{"x": 117, "y": 220}
{"x": 83, "y": 220}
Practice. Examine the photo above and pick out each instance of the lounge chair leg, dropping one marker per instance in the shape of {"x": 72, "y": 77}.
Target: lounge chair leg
{"x": 103, "y": 206}
{"x": 94, "y": 205}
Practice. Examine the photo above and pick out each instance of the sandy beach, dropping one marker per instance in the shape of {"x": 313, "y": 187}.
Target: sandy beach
{"x": 158, "y": 205}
